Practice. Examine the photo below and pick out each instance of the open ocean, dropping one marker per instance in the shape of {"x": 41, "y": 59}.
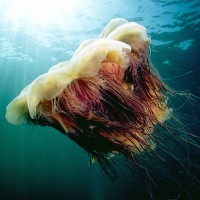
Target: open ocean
{"x": 39, "y": 162}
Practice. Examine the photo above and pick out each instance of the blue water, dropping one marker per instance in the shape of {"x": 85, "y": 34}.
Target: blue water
{"x": 39, "y": 162}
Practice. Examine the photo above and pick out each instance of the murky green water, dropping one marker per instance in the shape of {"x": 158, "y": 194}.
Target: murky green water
{"x": 39, "y": 162}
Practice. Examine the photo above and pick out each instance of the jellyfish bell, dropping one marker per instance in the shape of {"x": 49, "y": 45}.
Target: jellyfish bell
{"x": 130, "y": 33}
{"x": 113, "y": 24}
{"x": 17, "y": 111}
{"x": 90, "y": 58}
{"x": 107, "y": 98}
{"x": 83, "y": 45}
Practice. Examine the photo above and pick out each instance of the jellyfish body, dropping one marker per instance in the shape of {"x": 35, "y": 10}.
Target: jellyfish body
{"x": 107, "y": 98}
{"x": 107, "y": 87}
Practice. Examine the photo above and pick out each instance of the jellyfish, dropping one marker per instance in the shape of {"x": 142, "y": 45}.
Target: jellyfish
{"x": 108, "y": 98}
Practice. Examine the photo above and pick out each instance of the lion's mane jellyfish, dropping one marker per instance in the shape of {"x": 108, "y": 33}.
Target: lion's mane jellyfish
{"x": 107, "y": 98}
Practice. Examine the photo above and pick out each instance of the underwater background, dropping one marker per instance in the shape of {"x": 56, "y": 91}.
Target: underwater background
{"x": 39, "y": 162}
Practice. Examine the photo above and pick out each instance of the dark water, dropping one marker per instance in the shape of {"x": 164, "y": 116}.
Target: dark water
{"x": 39, "y": 162}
